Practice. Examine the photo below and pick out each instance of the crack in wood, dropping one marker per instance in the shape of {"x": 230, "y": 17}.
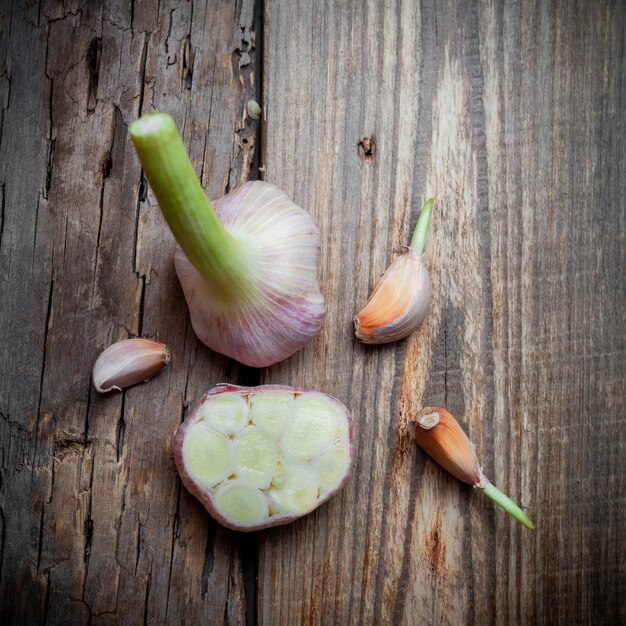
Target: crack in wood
{"x": 249, "y": 552}
{"x": 138, "y": 548}
{"x": 187, "y": 56}
{"x": 89, "y": 523}
{"x": 120, "y": 430}
{"x": 51, "y": 144}
{"x": 166, "y": 45}
{"x": 5, "y": 105}
{"x": 43, "y": 363}
{"x": 3, "y": 533}
{"x": 209, "y": 558}
{"x": 142, "y": 305}
{"x": 2, "y": 210}
{"x": 142, "y": 188}
{"x": 145, "y": 608}
{"x": 94, "y": 54}
{"x": 46, "y": 604}
{"x": 175, "y": 534}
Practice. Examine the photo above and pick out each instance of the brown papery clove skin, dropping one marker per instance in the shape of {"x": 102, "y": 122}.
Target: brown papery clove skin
{"x": 127, "y": 363}
{"x": 441, "y": 436}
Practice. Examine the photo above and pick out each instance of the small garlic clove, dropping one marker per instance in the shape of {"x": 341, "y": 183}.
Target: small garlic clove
{"x": 402, "y": 297}
{"x": 399, "y": 302}
{"x": 441, "y": 436}
{"x": 127, "y": 363}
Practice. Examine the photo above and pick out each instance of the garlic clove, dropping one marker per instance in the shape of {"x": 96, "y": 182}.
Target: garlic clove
{"x": 399, "y": 303}
{"x": 401, "y": 298}
{"x": 127, "y": 363}
{"x": 442, "y": 438}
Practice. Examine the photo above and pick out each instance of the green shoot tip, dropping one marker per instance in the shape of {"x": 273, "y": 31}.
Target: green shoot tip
{"x": 420, "y": 235}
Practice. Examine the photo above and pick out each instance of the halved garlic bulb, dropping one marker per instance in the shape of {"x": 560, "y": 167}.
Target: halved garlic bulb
{"x": 263, "y": 456}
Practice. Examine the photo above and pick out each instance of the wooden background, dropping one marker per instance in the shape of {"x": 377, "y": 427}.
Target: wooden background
{"x": 512, "y": 114}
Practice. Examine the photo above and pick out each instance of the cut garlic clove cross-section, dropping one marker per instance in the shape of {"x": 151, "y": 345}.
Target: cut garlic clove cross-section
{"x": 263, "y": 456}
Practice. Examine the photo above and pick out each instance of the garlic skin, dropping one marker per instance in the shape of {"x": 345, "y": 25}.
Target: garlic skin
{"x": 441, "y": 436}
{"x": 247, "y": 264}
{"x": 253, "y": 109}
{"x": 399, "y": 303}
{"x": 282, "y": 308}
{"x": 127, "y": 363}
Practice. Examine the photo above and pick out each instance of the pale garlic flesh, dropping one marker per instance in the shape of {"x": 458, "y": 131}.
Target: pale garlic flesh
{"x": 263, "y": 456}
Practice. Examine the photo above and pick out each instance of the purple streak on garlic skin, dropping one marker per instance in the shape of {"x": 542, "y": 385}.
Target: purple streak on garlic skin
{"x": 285, "y": 308}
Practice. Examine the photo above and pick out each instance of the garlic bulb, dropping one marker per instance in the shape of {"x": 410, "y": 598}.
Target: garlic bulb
{"x": 401, "y": 298}
{"x": 247, "y": 264}
{"x": 442, "y": 437}
{"x": 285, "y": 308}
{"x": 127, "y": 363}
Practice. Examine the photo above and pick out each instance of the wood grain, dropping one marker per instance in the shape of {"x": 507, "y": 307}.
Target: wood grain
{"x": 511, "y": 114}
{"x": 95, "y": 526}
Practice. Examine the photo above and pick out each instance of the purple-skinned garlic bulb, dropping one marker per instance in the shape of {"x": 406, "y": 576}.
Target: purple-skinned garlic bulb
{"x": 247, "y": 263}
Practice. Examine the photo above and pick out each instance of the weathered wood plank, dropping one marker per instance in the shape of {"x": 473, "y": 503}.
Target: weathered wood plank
{"x": 95, "y": 526}
{"x": 512, "y": 116}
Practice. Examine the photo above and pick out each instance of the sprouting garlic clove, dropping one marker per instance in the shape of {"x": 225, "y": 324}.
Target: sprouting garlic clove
{"x": 399, "y": 302}
{"x": 402, "y": 297}
{"x": 441, "y": 436}
{"x": 127, "y": 363}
